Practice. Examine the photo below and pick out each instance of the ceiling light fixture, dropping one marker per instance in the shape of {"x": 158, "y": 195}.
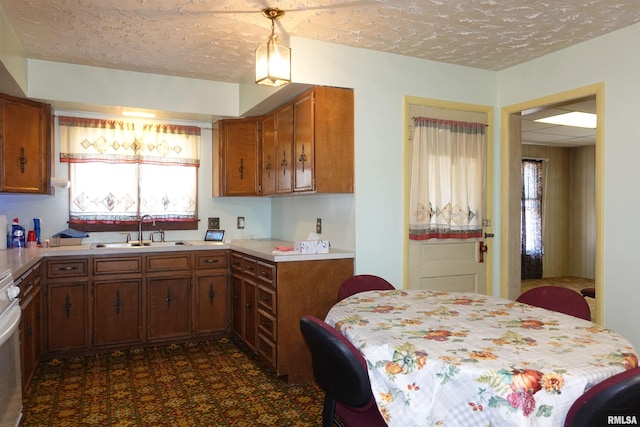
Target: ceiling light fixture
{"x": 575, "y": 118}
{"x": 273, "y": 61}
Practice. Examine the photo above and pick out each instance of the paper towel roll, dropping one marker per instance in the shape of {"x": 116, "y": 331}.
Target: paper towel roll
{"x": 60, "y": 182}
{"x": 3, "y": 232}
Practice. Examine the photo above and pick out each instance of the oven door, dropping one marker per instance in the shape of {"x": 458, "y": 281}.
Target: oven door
{"x": 10, "y": 385}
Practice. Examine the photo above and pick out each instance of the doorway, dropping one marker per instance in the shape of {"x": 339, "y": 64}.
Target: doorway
{"x": 558, "y": 256}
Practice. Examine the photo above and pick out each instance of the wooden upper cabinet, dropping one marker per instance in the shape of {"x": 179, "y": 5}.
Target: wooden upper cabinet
{"x": 25, "y": 146}
{"x": 323, "y": 141}
{"x": 277, "y": 149}
{"x": 236, "y": 158}
{"x": 305, "y": 145}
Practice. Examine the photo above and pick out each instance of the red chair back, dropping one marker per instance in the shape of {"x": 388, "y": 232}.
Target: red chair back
{"x": 361, "y": 283}
{"x": 556, "y": 298}
{"x": 341, "y": 371}
{"x": 617, "y": 396}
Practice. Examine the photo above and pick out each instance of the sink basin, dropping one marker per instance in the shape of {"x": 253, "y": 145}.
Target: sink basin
{"x": 145, "y": 244}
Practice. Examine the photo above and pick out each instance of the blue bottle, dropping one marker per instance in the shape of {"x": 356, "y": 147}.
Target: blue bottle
{"x": 36, "y": 228}
{"x": 17, "y": 235}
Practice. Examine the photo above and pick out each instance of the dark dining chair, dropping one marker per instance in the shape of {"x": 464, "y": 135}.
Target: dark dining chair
{"x": 588, "y": 292}
{"x": 361, "y": 283}
{"x": 556, "y": 298}
{"x": 341, "y": 372}
{"x": 617, "y": 396}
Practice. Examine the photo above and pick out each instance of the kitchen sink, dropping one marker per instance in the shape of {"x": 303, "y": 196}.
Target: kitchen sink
{"x": 145, "y": 244}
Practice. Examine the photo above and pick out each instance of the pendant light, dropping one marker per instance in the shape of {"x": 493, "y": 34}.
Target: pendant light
{"x": 273, "y": 61}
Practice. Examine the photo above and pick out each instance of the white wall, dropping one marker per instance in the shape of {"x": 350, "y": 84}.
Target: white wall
{"x": 615, "y": 60}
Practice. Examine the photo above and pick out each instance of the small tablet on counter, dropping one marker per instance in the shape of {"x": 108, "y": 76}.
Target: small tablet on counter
{"x": 214, "y": 236}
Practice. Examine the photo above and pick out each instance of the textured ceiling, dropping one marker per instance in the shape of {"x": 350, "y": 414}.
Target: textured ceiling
{"x": 216, "y": 39}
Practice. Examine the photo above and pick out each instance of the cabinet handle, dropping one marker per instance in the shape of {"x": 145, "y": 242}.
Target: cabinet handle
{"x": 284, "y": 163}
{"x": 67, "y": 306}
{"x": 117, "y": 302}
{"x": 67, "y": 268}
{"x": 266, "y": 275}
{"x": 266, "y": 298}
{"x": 241, "y": 168}
{"x": 302, "y": 158}
{"x": 211, "y": 294}
{"x": 268, "y": 167}
{"x": 211, "y": 261}
{"x": 23, "y": 160}
{"x": 168, "y": 298}
{"x": 248, "y": 304}
{"x": 265, "y": 324}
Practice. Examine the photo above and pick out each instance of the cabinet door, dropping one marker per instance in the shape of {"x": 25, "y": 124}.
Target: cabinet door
{"x": 237, "y": 304}
{"x": 249, "y": 312}
{"x": 239, "y": 144}
{"x": 168, "y": 307}
{"x": 30, "y": 335}
{"x": 303, "y": 142}
{"x": 211, "y": 303}
{"x": 117, "y": 311}
{"x": 68, "y": 316}
{"x": 25, "y": 141}
{"x": 269, "y": 162}
{"x": 284, "y": 149}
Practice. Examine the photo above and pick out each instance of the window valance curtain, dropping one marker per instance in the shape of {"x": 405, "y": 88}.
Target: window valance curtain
{"x": 447, "y": 179}
{"x": 120, "y": 170}
{"x": 114, "y": 141}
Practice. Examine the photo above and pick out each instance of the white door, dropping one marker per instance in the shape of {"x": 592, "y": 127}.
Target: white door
{"x": 460, "y": 265}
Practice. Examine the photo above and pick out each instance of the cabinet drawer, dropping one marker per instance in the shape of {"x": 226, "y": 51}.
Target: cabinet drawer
{"x": 213, "y": 259}
{"x": 171, "y": 262}
{"x": 267, "y": 350}
{"x": 249, "y": 266}
{"x": 28, "y": 282}
{"x": 267, "y": 299}
{"x": 266, "y": 272}
{"x": 67, "y": 267}
{"x": 236, "y": 261}
{"x": 267, "y": 325}
{"x": 118, "y": 265}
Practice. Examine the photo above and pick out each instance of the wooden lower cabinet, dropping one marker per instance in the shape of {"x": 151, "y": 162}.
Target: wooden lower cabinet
{"x": 211, "y": 293}
{"x": 106, "y": 302}
{"x": 269, "y": 300}
{"x": 168, "y": 307}
{"x": 68, "y": 324}
{"x": 31, "y": 323}
{"x": 117, "y": 311}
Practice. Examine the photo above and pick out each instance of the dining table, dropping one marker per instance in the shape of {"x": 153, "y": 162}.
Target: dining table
{"x": 438, "y": 358}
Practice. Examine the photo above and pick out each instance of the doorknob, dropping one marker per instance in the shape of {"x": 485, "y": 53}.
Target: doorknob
{"x": 488, "y": 235}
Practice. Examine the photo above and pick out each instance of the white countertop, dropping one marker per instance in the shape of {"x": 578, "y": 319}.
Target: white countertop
{"x": 20, "y": 260}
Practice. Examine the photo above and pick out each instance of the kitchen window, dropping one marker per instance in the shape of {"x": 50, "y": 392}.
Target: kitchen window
{"x": 120, "y": 170}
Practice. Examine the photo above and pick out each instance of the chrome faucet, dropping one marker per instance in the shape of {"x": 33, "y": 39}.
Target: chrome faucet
{"x": 142, "y": 217}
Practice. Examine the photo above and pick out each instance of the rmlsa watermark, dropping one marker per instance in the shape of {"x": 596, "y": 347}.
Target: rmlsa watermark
{"x": 622, "y": 420}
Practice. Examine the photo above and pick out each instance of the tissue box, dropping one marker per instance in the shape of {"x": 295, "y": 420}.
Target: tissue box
{"x": 311, "y": 246}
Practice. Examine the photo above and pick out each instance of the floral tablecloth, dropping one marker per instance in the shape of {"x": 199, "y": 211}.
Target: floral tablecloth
{"x": 462, "y": 359}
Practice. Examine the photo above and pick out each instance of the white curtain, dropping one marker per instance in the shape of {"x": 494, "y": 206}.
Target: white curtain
{"x": 447, "y": 179}
{"x": 120, "y": 170}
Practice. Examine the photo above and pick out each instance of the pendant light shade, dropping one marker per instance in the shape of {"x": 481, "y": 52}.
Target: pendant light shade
{"x": 273, "y": 61}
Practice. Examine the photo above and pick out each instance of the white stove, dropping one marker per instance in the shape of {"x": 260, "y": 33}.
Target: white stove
{"x": 10, "y": 383}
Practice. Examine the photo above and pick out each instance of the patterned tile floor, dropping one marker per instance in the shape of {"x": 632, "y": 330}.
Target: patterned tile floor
{"x": 211, "y": 383}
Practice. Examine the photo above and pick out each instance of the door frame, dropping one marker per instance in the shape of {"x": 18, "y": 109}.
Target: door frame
{"x": 463, "y": 107}
{"x": 510, "y": 224}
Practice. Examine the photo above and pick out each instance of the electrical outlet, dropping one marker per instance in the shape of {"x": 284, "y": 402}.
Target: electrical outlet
{"x": 213, "y": 223}
{"x": 240, "y": 222}
{"x": 319, "y": 225}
